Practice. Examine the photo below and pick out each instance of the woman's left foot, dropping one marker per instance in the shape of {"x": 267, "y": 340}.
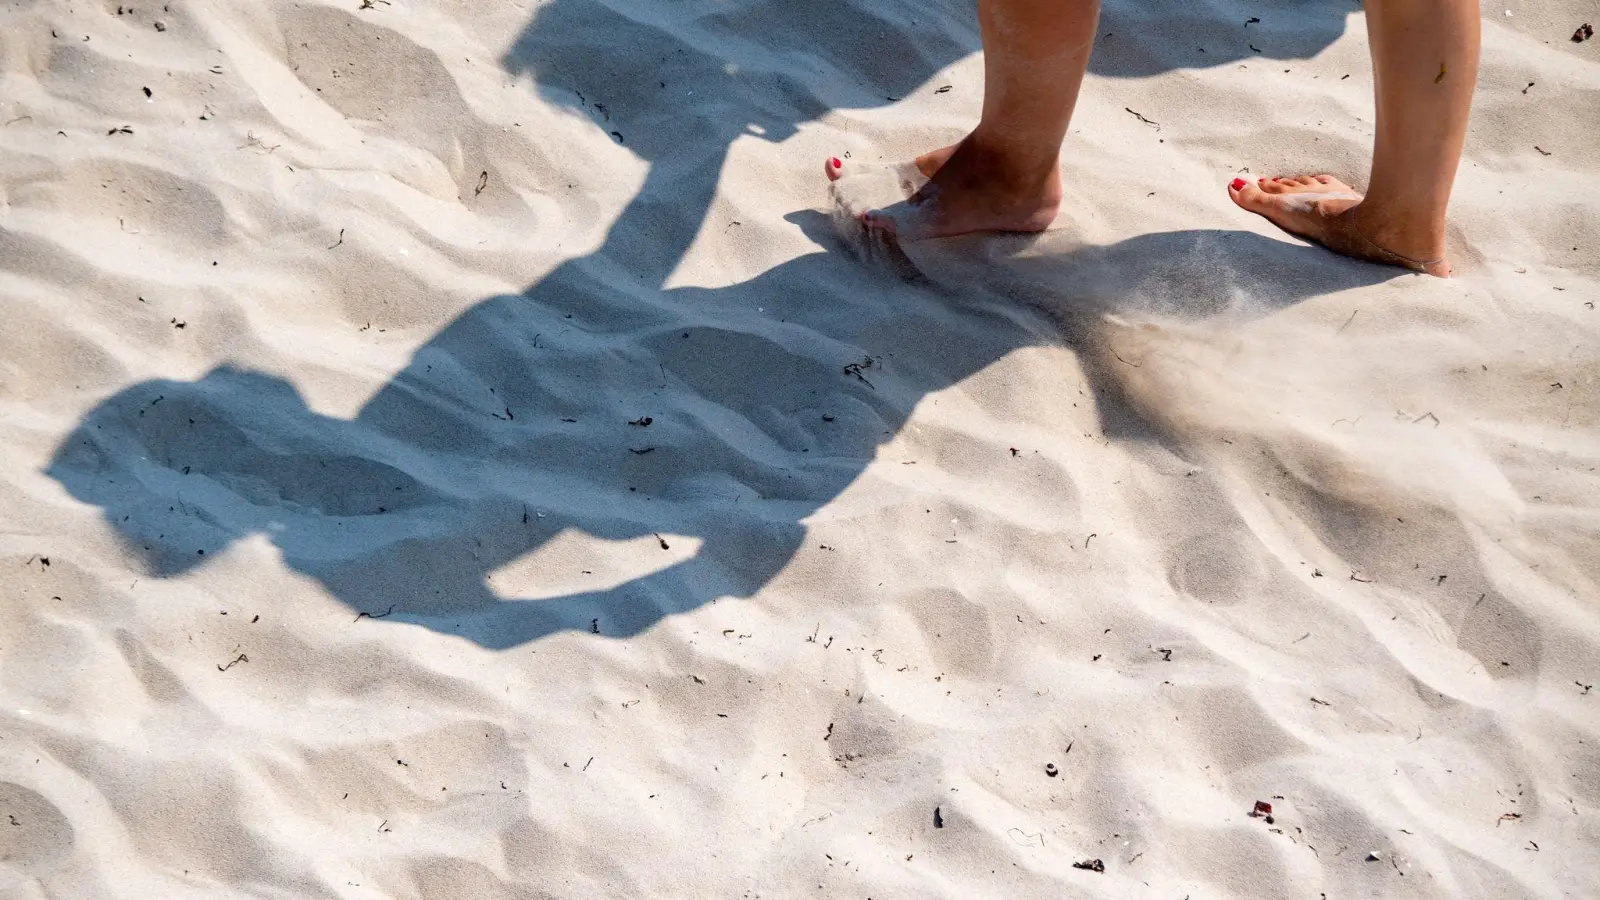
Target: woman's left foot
{"x": 1324, "y": 210}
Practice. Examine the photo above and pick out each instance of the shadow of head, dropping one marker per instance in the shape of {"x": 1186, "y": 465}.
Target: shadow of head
{"x": 665, "y": 76}
{"x": 1139, "y": 38}
{"x": 181, "y": 470}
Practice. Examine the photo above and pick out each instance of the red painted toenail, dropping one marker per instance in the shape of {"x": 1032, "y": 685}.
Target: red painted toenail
{"x": 1238, "y": 184}
{"x": 834, "y": 161}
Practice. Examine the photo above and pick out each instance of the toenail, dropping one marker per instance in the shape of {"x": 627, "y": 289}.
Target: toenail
{"x": 1238, "y": 184}
{"x": 834, "y": 161}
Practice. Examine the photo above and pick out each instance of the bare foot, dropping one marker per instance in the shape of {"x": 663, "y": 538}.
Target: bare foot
{"x": 1324, "y": 210}
{"x": 965, "y": 188}
{"x": 918, "y": 170}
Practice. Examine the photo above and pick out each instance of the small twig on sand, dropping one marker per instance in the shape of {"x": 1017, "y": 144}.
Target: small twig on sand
{"x": 1155, "y": 125}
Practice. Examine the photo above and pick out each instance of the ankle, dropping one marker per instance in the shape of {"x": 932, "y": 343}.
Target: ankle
{"x": 1419, "y": 236}
{"x": 1023, "y": 165}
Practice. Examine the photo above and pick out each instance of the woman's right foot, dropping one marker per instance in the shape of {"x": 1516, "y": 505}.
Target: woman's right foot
{"x": 923, "y": 167}
{"x": 970, "y": 187}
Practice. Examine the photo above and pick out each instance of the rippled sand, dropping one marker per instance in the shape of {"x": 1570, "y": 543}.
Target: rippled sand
{"x": 446, "y": 450}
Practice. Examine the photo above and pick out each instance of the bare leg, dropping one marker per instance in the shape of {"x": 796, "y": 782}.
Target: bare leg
{"x": 1425, "y": 61}
{"x": 1005, "y": 175}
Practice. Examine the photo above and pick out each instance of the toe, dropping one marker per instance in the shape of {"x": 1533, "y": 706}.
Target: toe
{"x": 1305, "y": 180}
{"x": 1271, "y": 185}
{"x": 1239, "y": 188}
{"x": 833, "y": 167}
{"x": 1324, "y": 179}
{"x": 1251, "y": 198}
{"x": 908, "y": 221}
{"x": 878, "y": 220}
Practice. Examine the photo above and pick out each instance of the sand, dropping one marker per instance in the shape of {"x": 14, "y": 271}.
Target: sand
{"x": 446, "y": 451}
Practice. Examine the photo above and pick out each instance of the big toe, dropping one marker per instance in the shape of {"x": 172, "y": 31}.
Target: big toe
{"x": 833, "y": 167}
{"x": 1250, "y": 195}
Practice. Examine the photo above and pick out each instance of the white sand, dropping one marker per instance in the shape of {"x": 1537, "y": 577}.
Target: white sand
{"x": 1196, "y": 514}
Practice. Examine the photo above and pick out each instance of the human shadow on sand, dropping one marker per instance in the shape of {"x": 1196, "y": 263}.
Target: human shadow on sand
{"x": 1139, "y": 38}
{"x": 526, "y": 417}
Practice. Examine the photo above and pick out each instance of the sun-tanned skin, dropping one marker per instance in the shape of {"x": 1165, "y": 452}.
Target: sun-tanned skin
{"x": 1005, "y": 175}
